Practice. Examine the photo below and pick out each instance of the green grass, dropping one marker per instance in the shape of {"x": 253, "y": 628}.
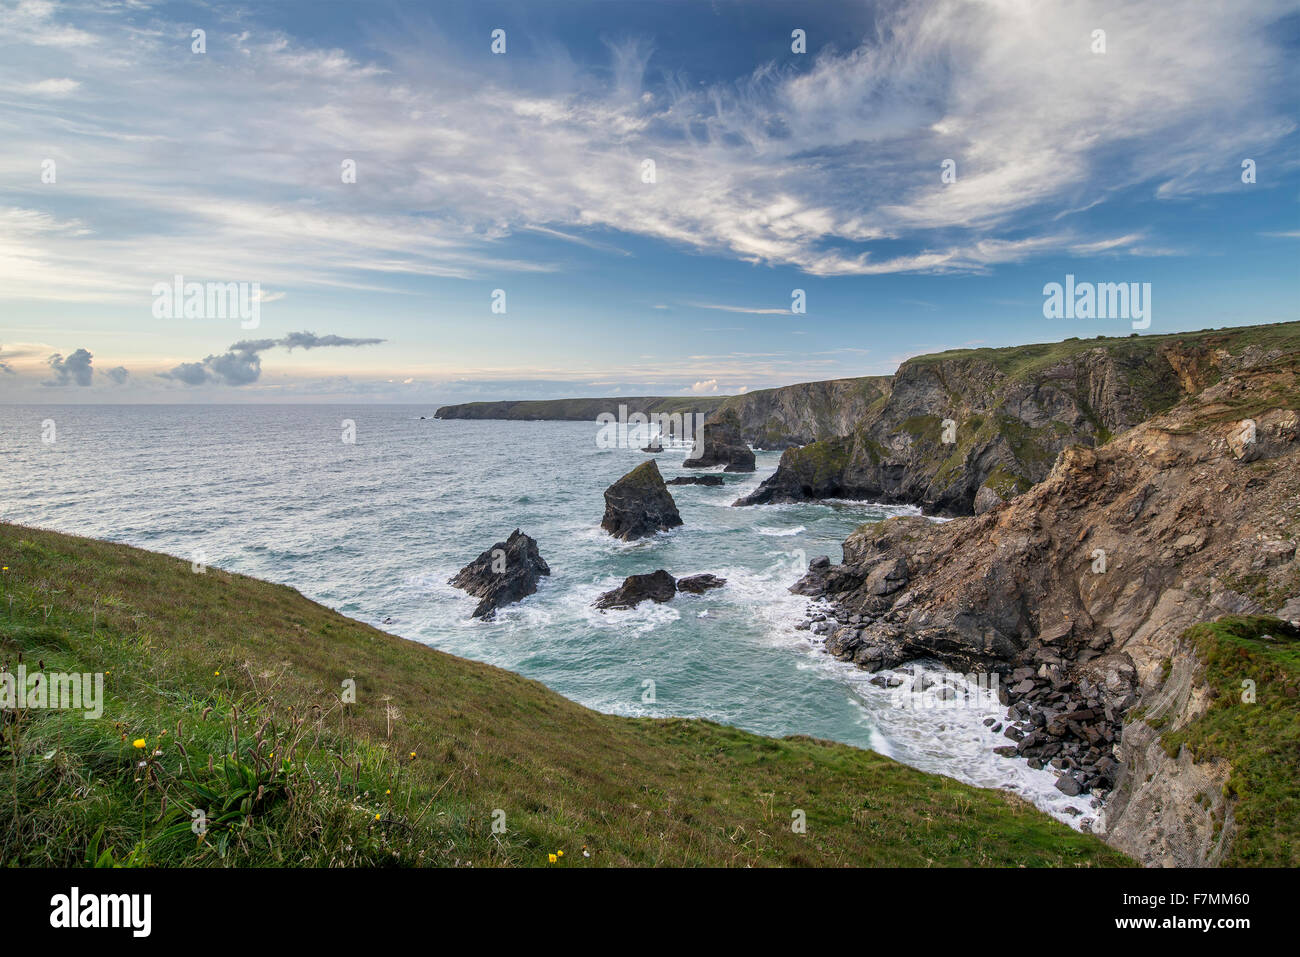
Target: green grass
{"x": 237, "y": 683}
{"x": 1026, "y": 361}
{"x": 820, "y": 462}
{"x": 1260, "y": 740}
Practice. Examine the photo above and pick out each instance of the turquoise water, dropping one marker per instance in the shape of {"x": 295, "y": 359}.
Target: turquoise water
{"x": 375, "y": 529}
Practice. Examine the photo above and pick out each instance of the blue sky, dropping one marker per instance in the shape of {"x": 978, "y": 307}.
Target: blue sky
{"x": 522, "y": 171}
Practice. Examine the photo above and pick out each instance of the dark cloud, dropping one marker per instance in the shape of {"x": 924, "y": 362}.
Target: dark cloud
{"x": 74, "y": 370}
{"x": 242, "y": 363}
{"x": 190, "y": 373}
{"x": 309, "y": 340}
{"x": 118, "y": 375}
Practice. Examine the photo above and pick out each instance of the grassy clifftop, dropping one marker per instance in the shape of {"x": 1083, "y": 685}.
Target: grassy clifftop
{"x": 1025, "y": 362}
{"x": 1255, "y": 727}
{"x": 223, "y": 695}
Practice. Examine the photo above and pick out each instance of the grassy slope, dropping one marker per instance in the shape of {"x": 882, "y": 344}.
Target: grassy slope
{"x": 307, "y": 781}
{"x": 1260, "y": 739}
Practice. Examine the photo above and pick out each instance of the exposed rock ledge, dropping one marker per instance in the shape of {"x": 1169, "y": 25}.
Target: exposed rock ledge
{"x": 1081, "y": 587}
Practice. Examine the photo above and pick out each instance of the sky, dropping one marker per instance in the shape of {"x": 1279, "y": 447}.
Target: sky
{"x": 415, "y": 207}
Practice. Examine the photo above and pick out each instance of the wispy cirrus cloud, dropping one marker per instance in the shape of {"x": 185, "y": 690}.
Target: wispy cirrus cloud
{"x": 833, "y": 169}
{"x": 748, "y": 310}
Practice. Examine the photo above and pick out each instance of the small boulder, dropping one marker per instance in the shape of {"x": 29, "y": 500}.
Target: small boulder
{"x": 698, "y": 584}
{"x": 657, "y": 586}
{"x": 986, "y": 499}
{"x": 1069, "y": 785}
{"x": 502, "y": 575}
{"x": 639, "y": 504}
{"x": 696, "y": 480}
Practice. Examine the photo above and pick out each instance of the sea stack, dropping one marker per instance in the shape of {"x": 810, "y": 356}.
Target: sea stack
{"x": 639, "y": 504}
{"x": 505, "y": 573}
{"x": 721, "y": 443}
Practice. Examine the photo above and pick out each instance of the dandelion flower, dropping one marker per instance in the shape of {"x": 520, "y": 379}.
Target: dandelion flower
{"x": 376, "y": 817}
{"x": 559, "y": 853}
{"x": 138, "y": 743}
{"x": 551, "y": 858}
{"x": 217, "y": 672}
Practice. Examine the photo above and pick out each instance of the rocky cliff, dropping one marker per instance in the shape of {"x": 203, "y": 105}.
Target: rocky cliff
{"x": 580, "y": 410}
{"x": 767, "y": 418}
{"x": 798, "y": 414}
{"x": 959, "y": 432}
{"x": 1081, "y": 590}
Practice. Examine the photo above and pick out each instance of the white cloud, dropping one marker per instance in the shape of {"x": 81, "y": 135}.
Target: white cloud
{"x": 749, "y": 310}
{"x": 228, "y": 166}
{"x": 51, "y": 87}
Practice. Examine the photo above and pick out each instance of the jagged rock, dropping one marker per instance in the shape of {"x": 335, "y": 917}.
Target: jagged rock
{"x": 697, "y": 480}
{"x": 722, "y": 444}
{"x": 657, "y": 586}
{"x": 639, "y": 504}
{"x": 1068, "y": 785}
{"x": 1290, "y": 612}
{"x": 698, "y": 584}
{"x": 505, "y": 573}
{"x": 986, "y": 499}
{"x": 1264, "y": 437}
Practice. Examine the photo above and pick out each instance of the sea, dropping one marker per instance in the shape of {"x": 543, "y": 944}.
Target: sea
{"x": 371, "y": 509}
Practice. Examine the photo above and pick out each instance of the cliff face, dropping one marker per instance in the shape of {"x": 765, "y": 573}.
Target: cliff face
{"x": 798, "y": 414}
{"x": 767, "y": 419}
{"x": 960, "y": 432}
{"x": 1081, "y": 589}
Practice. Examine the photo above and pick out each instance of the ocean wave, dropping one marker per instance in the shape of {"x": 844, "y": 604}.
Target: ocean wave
{"x": 779, "y": 532}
